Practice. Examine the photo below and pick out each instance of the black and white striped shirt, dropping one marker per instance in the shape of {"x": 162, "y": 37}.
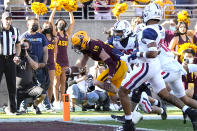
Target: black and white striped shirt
{"x": 8, "y": 40}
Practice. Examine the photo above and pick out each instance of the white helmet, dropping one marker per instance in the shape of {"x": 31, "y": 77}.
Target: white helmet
{"x": 152, "y": 11}
{"x": 122, "y": 26}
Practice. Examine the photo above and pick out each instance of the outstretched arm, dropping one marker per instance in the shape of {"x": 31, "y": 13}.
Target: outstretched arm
{"x": 51, "y": 21}
{"x": 83, "y": 62}
{"x": 71, "y": 26}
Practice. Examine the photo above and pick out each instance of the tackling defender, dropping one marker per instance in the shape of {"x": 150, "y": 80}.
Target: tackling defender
{"x": 150, "y": 69}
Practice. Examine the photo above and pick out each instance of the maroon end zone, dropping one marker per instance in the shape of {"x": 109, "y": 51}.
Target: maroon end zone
{"x": 52, "y": 126}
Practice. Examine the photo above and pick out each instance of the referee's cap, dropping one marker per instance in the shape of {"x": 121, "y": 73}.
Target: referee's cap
{"x": 6, "y": 15}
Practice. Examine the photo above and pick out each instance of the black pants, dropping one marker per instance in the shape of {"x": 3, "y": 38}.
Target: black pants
{"x": 29, "y": 91}
{"x": 8, "y": 67}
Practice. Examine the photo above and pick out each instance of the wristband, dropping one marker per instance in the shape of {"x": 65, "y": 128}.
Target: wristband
{"x": 144, "y": 54}
{"x": 138, "y": 54}
{"x": 109, "y": 78}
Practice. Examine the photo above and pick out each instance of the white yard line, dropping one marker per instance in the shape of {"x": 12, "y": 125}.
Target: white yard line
{"x": 84, "y": 118}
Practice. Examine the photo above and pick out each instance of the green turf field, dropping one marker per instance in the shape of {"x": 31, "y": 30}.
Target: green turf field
{"x": 169, "y": 125}
{"x": 78, "y": 113}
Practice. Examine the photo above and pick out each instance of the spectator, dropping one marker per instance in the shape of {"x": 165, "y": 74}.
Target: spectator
{"x": 81, "y": 98}
{"x": 169, "y": 33}
{"x": 63, "y": 35}
{"x": 103, "y": 101}
{"x": 135, "y": 21}
{"x": 27, "y": 4}
{"x": 40, "y": 49}
{"x": 49, "y": 31}
{"x": 26, "y": 87}
{"x": 190, "y": 78}
{"x": 9, "y": 52}
{"x": 1, "y": 6}
{"x": 16, "y": 6}
{"x": 181, "y": 37}
{"x": 86, "y": 8}
{"x": 139, "y": 9}
{"x": 169, "y": 10}
{"x": 195, "y": 34}
{"x": 104, "y": 12}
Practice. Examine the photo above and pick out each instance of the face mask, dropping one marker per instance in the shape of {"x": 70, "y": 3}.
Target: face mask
{"x": 47, "y": 30}
{"x": 188, "y": 60}
{"x": 61, "y": 27}
{"x": 173, "y": 28}
{"x": 34, "y": 28}
{"x": 191, "y": 60}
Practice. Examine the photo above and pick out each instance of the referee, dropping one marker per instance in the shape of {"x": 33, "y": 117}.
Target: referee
{"x": 9, "y": 52}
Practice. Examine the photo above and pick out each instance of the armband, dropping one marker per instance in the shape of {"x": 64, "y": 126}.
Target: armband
{"x": 152, "y": 49}
{"x": 138, "y": 54}
{"x": 144, "y": 54}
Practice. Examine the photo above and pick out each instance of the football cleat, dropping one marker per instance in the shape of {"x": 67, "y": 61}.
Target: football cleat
{"x": 192, "y": 114}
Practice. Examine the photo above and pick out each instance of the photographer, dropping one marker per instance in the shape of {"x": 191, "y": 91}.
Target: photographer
{"x": 104, "y": 100}
{"x": 78, "y": 78}
{"x": 190, "y": 80}
{"x": 26, "y": 83}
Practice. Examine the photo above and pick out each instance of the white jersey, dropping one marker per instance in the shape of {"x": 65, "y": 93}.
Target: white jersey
{"x": 148, "y": 35}
{"x": 128, "y": 49}
{"x": 166, "y": 57}
{"x": 167, "y": 61}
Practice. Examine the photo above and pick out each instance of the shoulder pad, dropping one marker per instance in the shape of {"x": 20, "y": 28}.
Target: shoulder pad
{"x": 149, "y": 33}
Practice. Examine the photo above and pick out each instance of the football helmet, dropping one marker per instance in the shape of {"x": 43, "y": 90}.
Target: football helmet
{"x": 152, "y": 11}
{"x": 122, "y": 27}
{"x": 80, "y": 40}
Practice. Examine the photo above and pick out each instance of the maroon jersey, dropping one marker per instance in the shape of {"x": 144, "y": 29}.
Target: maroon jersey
{"x": 190, "y": 78}
{"x": 94, "y": 49}
{"x": 62, "y": 56}
{"x": 51, "y": 47}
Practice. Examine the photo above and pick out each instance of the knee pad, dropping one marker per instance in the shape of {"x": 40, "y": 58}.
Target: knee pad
{"x": 136, "y": 95}
{"x": 145, "y": 104}
{"x": 194, "y": 97}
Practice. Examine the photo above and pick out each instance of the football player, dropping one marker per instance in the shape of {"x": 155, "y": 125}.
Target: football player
{"x": 125, "y": 40}
{"x": 111, "y": 78}
{"x": 150, "y": 69}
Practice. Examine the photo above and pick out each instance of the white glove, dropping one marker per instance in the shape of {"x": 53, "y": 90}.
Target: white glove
{"x": 125, "y": 58}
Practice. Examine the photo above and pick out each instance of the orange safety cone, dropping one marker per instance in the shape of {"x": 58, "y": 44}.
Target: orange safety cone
{"x": 66, "y": 107}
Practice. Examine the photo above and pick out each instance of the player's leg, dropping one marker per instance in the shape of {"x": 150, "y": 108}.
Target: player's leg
{"x": 132, "y": 81}
{"x": 157, "y": 81}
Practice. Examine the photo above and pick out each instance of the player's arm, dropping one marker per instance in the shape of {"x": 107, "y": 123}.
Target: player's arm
{"x": 149, "y": 37}
{"x": 151, "y": 53}
{"x": 83, "y": 62}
